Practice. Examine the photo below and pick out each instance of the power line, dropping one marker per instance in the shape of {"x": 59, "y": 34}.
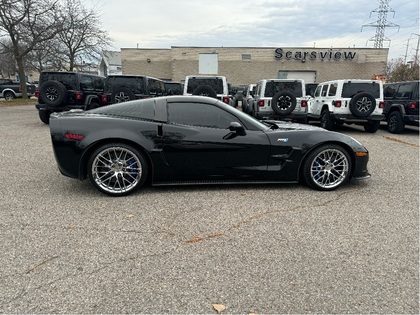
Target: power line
{"x": 381, "y": 23}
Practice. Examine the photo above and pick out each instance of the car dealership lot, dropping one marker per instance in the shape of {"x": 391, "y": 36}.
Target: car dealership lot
{"x": 66, "y": 248}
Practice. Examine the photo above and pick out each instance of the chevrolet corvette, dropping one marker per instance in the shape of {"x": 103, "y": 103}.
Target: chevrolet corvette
{"x": 192, "y": 140}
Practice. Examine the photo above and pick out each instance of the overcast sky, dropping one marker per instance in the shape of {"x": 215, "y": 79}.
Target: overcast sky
{"x": 259, "y": 23}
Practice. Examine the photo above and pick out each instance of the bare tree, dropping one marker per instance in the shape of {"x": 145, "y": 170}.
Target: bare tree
{"x": 28, "y": 23}
{"x": 397, "y": 71}
{"x": 82, "y": 39}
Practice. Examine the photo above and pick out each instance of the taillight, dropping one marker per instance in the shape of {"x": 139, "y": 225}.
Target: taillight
{"x": 79, "y": 96}
{"x": 20, "y": 89}
{"x": 226, "y": 99}
{"x": 304, "y": 103}
{"x": 37, "y": 93}
{"x": 104, "y": 99}
{"x": 261, "y": 103}
{"x": 337, "y": 103}
{"x": 412, "y": 105}
{"x": 381, "y": 104}
{"x": 74, "y": 136}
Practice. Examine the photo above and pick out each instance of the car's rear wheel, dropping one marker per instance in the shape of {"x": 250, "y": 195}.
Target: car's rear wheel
{"x": 395, "y": 122}
{"x": 44, "y": 115}
{"x": 8, "y": 96}
{"x": 327, "y": 167}
{"x": 326, "y": 121}
{"x": 372, "y": 126}
{"x": 117, "y": 169}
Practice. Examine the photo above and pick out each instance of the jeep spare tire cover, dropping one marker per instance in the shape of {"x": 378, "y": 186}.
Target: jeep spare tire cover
{"x": 283, "y": 103}
{"x": 52, "y": 93}
{"x": 362, "y": 104}
{"x": 122, "y": 94}
{"x": 205, "y": 90}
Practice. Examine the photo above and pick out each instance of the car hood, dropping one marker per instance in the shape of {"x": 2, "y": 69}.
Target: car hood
{"x": 285, "y": 125}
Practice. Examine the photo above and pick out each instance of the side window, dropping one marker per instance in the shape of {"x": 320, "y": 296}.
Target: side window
{"x": 404, "y": 91}
{"x": 156, "y": 87}
{"x": 333, "y": 89}
{"x": 199, "y": 114}
{"x": 86, "y": 83}
{"x": 98, "y": 84}
{"x": 258, "y": 89}
{"x": 389, "y": 91}
{"x": 324, "y": 90}
{"x": 318, "y": 91}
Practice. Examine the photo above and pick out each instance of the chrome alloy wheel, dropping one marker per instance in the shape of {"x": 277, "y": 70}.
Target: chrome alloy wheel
{"x": 116, "y": 170}
{"x": 363, "y": 105}
{"x": 329, "y": 168}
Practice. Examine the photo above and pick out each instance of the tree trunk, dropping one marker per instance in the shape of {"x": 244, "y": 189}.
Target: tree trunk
{"x": 21, "y": 72}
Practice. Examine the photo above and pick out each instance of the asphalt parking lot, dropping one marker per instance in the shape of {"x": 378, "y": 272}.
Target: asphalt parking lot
{"x": 66, "y": 248}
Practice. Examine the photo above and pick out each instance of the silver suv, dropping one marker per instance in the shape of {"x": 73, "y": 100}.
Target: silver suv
{"x": 279, "y": 99}
{"x": 348, "y": 101}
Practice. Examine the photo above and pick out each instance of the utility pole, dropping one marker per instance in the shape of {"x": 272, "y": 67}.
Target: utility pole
{"x": 416, "y": 57}
{"x": 406, "y": 51}
{"x": 381, "y": 23}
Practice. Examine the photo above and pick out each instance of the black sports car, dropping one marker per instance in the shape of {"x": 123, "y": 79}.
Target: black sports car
{"x": 197, "y": 140}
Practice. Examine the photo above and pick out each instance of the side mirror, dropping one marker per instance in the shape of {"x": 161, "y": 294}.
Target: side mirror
{"x": 237, "y": 128}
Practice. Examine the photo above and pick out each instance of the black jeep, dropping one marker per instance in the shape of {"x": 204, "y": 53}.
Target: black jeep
{"x": 123, "y": 88}
{"x": 401, "y": 105}
{"x": 62, "y": 91}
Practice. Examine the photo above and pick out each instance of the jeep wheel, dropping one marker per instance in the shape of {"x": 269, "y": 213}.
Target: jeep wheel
{"x": 362, "y": 104}
{"x": 326, "y": 121}
{"x": 8, "y": 96}
{"x": 121, "y": 95}
{"x": 52, "y": 93}
{"x": 205, "y": 90}
{"x": 44, "y": 115}
{"x": 372, "y": 126}
{"x": 326, "y": 167}
{"x": 395, "y": 122}
{"x": 283, "y": 103}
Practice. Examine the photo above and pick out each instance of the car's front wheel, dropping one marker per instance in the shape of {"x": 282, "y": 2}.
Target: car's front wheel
{"x": 117, "y": 169}
{"x": 327, "y": 167}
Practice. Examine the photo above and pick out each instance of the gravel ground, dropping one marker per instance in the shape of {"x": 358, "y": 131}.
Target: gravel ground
{"x": 66, "y": 248}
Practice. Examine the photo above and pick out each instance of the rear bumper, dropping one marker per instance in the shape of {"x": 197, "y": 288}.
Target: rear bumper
{"x": 274, "y": 116}
{"x": 354, "y": 119}
{"x": 61, "y": 108}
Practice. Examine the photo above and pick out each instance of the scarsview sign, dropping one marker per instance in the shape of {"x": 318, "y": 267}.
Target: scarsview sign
{"x": 328, "y": 54}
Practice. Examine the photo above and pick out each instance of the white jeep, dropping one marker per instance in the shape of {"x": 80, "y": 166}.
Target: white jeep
{"x": 207, "y": 85}
{"x": 282, "y": 99}
{"x": 348, "y": 101}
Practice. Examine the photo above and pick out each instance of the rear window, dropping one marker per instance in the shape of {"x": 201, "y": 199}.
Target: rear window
{"x": 68, "y": 79}
{"x": 143, "y": 109}
{"x": 273, "y": 87}
{"x": 352, "y": 88}
{"x": 215, "y": 83}
{"x": 134, "y": 84}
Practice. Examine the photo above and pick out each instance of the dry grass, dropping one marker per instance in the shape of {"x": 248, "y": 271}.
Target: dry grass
{"x": 18, "y": 102}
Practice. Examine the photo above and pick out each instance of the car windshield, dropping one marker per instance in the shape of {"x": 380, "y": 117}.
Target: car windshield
{"x": 350, "y": 89}
{"x": 273, "y": 87}
{"x": 215, "y": 83}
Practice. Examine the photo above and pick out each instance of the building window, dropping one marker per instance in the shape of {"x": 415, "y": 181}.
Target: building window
{"x": 246, "y": 56}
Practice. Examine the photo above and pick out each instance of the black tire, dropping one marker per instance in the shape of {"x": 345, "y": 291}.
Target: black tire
{"x": 44, "y": 115}
{"x": 205, "y": 90}
{"x": 326, "y": 121}
{"x": 8, "y": 96}
{"x": 395, "y": 122}
{"x": 372, "y": 126}
{"x": 52, "y": 93}
{"x": 121, "y": 95}
{"x": 283, "y": 103}
{"x": 117, "y": 169}
{"x": 327, "y": 167}
{"x": 362, "y": 104}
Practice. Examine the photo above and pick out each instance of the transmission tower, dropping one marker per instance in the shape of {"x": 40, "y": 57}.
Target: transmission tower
{"x": 381, "y": 23}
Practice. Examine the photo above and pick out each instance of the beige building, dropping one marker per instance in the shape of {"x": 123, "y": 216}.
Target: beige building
{"x": 245, "y": 65}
